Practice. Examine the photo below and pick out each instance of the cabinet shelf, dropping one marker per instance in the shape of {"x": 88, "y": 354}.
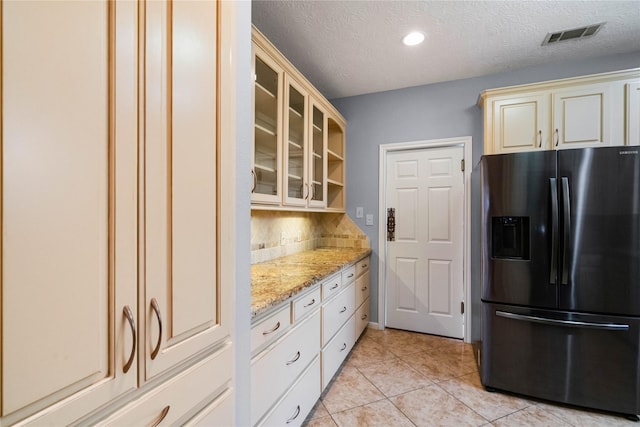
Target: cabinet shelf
{"x": 333, "y": 156}
{"x": 264, "y": 91}
{"x": 263, "y": 168}
{"x": 264, "y": 127}
{"x": 335, "y": 183}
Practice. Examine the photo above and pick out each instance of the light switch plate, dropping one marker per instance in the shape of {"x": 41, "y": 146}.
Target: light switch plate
{"x": 369, "y": 219}
{"x": 359, "y": 212}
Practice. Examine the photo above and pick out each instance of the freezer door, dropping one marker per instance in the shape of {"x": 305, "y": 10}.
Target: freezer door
{"x": 580, "y": 359}
{"x": 600, "y": 221}
{"x": 518, "y": 228}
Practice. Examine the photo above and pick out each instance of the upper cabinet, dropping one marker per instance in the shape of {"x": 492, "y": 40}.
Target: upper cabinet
{"x": 267, "y": 128}
{"x": 589, "y": 111}
{"x": 633, "y": 112}
{"x": 299, "y": 139}
{"x": 117, "y": 185}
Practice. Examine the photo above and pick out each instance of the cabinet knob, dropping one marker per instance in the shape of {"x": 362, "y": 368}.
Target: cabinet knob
{"x": 295, "y": 415}
{"x": 132, "y": 324}
{"x": 540, "y": 138}
{"x": 156, "y": 309}
{"x": 272, "y": 330}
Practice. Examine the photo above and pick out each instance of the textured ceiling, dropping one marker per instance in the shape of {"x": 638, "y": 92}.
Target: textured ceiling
{"x": 349, "y": 48}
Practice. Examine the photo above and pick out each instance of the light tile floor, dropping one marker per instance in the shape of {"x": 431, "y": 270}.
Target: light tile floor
{"x": 400, "y": 378}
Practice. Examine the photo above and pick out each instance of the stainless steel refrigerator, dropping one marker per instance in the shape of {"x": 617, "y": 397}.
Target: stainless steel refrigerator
{"x": 561, "y": 276}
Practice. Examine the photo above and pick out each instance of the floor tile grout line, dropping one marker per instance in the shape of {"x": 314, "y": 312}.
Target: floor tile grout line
{"x": 472, "y": 410}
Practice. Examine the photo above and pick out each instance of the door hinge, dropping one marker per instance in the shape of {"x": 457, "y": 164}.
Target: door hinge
{"x": 462, "y": 165}
{"x": 462, "y": 307}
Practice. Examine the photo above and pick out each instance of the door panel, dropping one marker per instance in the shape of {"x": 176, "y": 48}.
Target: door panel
{"x": 518, "y": 185}
{"x": 69, "y": 141}
{"x": 603, "y": 256}
{"x": 181, "y": 186}
{"x": 424, "y": 273}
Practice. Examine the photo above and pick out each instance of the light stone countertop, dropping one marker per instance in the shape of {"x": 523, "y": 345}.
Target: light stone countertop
{"x": 275, "y": 281}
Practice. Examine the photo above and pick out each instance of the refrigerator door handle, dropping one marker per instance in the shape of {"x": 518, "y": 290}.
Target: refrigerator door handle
{"x": 568, "y": 323}
{"x": 554, "y": 231}
{"x": 566, "y": 228}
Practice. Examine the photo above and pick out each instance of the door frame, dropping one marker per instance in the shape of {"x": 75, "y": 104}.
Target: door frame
{"x": 465, "y": 143}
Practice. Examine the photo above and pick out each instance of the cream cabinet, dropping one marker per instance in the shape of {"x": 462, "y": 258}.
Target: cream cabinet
{"x": 115, "y": 230}
{"x": 298, "y": 346}
{"x": 633, "y": 112}
{"x": 267, "y": 129}
{"x": 362, "y": 291}
{"x": 299, "y": 139}
{"x": 588, "y": 111}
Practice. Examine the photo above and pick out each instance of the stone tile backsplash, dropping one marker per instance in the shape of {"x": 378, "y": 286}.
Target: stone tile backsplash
{"x": 275, "y": 233}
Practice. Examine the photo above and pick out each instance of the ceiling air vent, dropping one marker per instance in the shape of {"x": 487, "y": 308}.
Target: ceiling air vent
{"x": 576, "y": 33}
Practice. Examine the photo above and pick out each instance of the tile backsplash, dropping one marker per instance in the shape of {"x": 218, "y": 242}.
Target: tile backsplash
{"x": 275, "y": 233}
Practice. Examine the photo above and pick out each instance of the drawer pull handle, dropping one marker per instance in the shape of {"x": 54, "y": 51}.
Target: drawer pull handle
{"x": 162, "y": 416}
{"x": 272, "y": 330}
{"x": 350, "y": 276}
{"x": 156, "y": 309}
{"x": 313, "y": 301}
{"x": 334, "y": 287}
{"x": 294, "y": 360}
{"x": 364, "y": 289}
{"x": 132, "y": 324}
{"x": 343, "y": 309}
{"x": 364, "y": 316}
{"x": 364, "y": 266}
{"x": 344, "y": 345}
{"x": 295, "y": 415}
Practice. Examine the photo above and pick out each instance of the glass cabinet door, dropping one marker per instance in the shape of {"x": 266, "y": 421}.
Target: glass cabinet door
{"x": 318, "y": 158}
{"x": 267, "y": 128}
{"x": 295, "y": 147}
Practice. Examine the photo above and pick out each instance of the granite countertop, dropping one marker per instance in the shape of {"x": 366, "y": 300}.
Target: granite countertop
{"x": 275, "y": 281}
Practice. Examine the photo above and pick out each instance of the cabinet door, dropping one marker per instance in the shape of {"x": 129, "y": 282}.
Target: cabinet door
{"x": 296, "y": 189}
{"x": 582, "y": 117}
{"x": 521, "y": 124}
{"x": 69, "y": 195}
{"x": 633, "y": 113}
{"x": 267, "y": 141}
{"x": 317, "y": 167}
{"x": 180, "y": 299}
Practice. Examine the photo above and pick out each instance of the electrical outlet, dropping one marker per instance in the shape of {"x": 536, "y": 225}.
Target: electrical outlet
{"x": 369, "y": 219}
{"x": 283, "y": 238}
{"x": 359, "y": 212}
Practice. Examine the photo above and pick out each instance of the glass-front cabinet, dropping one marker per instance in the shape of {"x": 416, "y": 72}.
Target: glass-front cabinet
{"x": 317, "y": 175}
{"x": 267, "y": 153}
{"x": 296, "y": 188}
{"x": 298, "y": 151}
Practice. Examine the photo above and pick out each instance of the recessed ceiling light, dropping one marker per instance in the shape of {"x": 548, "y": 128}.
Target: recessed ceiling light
{"x": 413, "y": 38}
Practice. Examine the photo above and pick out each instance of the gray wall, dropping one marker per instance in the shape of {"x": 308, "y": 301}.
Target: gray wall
{"x": 244, "y": 135}
{"x": 441, "y": 110}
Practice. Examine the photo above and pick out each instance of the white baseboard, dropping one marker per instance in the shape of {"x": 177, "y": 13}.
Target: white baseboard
{"x": 374, "y": 325}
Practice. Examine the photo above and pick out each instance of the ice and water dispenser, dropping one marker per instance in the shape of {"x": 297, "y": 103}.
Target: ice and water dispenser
{"x": 510, "y": 237}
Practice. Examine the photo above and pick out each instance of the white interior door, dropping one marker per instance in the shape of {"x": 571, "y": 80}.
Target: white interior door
{"x": 424, "y": 274}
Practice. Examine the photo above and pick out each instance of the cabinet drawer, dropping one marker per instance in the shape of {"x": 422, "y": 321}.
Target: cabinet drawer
{"x": 362, "y": 288}
{"x": 217, "y": 413}
{"x": 348, "y": 274}
{"x": 362, "y": 266}
{"x": 179, "y": 394}
{"x": 362, "y": 317}
{"x": 298, "y": 402}
{"x": 331, "y": 287}
{"x": 274, "y": 370}
{"x": 267, "y": 330}
{"x": 336, "y": 312}
{"x": 335, "y": 352}
{"x": 306, "y": 304}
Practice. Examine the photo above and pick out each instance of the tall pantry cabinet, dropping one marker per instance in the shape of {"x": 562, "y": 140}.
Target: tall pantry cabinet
{"x": 116, "y": 259}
